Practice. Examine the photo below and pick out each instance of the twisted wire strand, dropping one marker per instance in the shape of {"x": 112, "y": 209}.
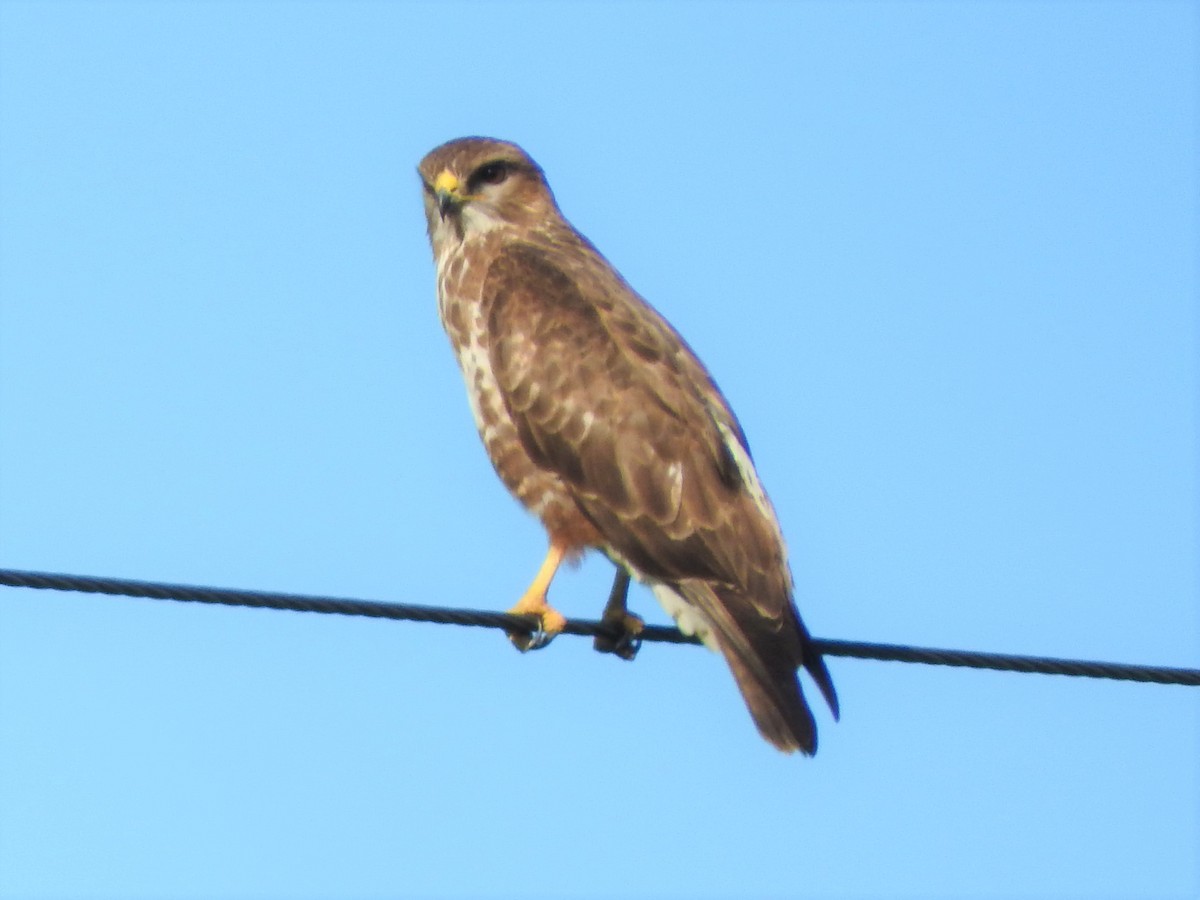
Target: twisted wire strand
{"x": 583, "y": 627}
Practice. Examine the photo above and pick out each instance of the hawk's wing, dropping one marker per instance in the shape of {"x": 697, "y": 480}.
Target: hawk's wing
{"x": 604, "y": 393}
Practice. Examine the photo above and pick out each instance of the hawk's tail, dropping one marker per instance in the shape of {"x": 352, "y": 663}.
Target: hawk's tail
{"x": 814, "y": 664}
{"x": 764, "y": 663}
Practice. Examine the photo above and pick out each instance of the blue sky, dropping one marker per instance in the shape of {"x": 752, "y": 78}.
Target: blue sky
{"x": 940, "y": 256}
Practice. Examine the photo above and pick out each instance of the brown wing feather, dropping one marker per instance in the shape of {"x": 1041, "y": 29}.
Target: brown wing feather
{"x": 612, "y": 421}
{"x": 604, "y": 393}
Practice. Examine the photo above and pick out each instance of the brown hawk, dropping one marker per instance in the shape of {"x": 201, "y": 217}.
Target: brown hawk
{"x": 600, "y": 419}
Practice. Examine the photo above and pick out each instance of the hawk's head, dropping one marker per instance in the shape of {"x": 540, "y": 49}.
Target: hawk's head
{"x": 474, "y": 184}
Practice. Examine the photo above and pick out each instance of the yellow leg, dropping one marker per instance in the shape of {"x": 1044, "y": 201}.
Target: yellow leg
{"x": 533, "y": 603}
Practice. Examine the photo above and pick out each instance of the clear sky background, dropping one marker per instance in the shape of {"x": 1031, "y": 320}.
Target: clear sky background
{"x": 940, "y": 256}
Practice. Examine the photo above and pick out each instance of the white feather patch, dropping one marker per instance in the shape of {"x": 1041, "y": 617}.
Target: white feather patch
{"x": 478, "y": 218}
{"x": 471, "y": 349}
{"x": 476, "y": 367}
{"x": 753, "y": 486}
{"x": 687, "y": 618}
{"x": 675, "y": 482}
{"x": 746, "y": 470}
{"x": 589, "y": 419}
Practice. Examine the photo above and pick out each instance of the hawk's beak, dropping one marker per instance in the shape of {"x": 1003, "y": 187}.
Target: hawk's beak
{"x": 446, "y": 189}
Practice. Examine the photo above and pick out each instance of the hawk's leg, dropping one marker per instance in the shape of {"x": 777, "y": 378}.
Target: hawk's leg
{"x": 619, "y": 619}
{"x": 533, "y": 603}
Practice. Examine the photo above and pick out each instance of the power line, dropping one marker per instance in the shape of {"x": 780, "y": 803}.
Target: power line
{"x": 608, "y": 633}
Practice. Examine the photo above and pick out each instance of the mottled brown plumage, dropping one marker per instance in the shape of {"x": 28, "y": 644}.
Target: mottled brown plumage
{"x": 600, "y": 419}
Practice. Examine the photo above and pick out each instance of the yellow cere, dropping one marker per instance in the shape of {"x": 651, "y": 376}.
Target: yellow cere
{"x": 445, "y": 183}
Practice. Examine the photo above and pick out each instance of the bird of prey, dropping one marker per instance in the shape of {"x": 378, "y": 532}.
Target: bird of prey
{"x": 601, "y": 421}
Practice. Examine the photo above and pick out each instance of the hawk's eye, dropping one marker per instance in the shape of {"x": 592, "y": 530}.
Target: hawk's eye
{"x": 491, "y": 173}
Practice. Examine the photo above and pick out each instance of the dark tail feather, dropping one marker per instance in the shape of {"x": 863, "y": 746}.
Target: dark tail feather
{"x": 764, "y": 664}
{"x": 814, "y": 665}
{"x": 776, "y": 705}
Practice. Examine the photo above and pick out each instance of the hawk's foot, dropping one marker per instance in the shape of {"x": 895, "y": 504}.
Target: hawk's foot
{"x": 550, "y": 623}
{"x": 628, "y": 639}
{"x": 533, "y": 603}
{"x": 626, "y": 628}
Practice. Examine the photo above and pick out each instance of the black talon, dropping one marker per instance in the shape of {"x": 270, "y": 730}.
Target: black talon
{"x": 532, "y": 640}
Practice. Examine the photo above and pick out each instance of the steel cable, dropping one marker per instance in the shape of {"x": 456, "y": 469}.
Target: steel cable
{"x": 584, "y": 627}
